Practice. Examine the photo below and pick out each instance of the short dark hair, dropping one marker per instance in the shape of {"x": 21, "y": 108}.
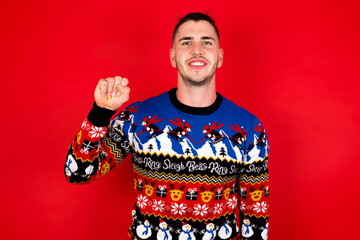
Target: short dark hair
{"x": 195, "y": 16}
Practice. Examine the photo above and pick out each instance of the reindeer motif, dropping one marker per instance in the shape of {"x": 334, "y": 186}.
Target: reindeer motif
{"x": 181, "y": 131}
{"x": 125, "y": 114}
{"x": 256, "y": 194}
{"x": 262, "y": 136}
{"x": 149, "y": 188}
{"x": 206, "y": 195}
{"x": 149, "y": 127}
{"x": 253, "y": 150}
{"x": 175, "y": 194}
{"x": 239, "y": 137}
{"x": 210, "y": 132}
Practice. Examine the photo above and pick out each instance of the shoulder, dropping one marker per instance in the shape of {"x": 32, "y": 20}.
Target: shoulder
{"x": 236, "y": 111}
{"x": 159, "y": 99}
{"x": 150, "y": 105}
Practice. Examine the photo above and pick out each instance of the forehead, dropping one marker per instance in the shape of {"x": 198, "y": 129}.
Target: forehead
{"x": 196, "y": 29}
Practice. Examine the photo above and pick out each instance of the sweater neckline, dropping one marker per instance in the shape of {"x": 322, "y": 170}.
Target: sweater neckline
{"x": 195, "y": 110}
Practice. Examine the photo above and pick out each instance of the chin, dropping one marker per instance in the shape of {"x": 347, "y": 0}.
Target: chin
{"x": 197, "y": 83}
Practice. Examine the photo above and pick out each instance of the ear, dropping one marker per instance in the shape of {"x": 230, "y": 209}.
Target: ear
{"x": 172, "y": 57}
{"x": 221, "y": 57}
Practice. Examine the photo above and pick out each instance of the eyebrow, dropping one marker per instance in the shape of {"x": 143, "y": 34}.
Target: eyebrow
{"x": 207, "y": 38}
{"x": 192, "y": 38}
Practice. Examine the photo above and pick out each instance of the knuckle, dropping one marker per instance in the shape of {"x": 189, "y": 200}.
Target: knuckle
{"x": 110, "y": 79}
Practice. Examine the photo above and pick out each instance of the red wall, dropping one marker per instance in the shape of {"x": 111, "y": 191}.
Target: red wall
{"x": 295, "y": 65}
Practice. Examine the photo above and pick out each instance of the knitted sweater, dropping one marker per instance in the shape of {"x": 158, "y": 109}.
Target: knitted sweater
{"x": 199, "y": 173}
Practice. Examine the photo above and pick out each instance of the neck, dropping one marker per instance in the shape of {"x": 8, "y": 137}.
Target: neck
{"x": 196, "y": 96}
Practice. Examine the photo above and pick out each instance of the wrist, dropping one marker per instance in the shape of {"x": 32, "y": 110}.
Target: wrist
{"x": 99, "y": 116}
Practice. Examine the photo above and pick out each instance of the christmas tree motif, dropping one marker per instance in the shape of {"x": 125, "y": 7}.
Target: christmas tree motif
{"x": 187, "y": 151}
{"x": 150, "y": 147}
{"x": 223, "y": 152}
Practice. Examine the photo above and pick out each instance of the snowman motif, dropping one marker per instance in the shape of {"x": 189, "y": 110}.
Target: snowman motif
{"x": 70, "y": 166}
{"x": 163, "y": 233}
{"x": 88, "y": 171}
{"x": 225, "y": 230}
{"x": 186, "y": 233}
{"x": 264, "y": 233}
{"x": 144, "y": 230}
{"x": 236, "y": 225}
{"x": 133, "y": 214}
{"x": 210, "y": 233}
{"x": 246, "y": 228}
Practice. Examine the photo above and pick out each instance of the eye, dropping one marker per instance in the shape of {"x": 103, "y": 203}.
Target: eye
{"x": 207, "y": 43}
{"x": 186, "y": 43}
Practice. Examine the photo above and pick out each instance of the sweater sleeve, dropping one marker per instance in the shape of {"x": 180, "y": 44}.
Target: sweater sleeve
{"x": 97, "y": 148}
{"x": 254, "y": 185}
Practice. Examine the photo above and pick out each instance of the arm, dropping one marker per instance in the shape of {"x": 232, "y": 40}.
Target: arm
{"x": 99, "y": 147}
{"x": 254, "y": 186}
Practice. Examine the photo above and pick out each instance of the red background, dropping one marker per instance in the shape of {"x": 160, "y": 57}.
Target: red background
{"x": 295, "y": 64}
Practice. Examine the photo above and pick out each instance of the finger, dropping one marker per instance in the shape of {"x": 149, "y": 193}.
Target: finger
{"x": 124, "y": 93}
{"x": 116, "y": 85}
{"x": 122, "y": 85}
{"x": 124, "y": 82}
{"x": 110, "y": 87}
{"x": 102, "y": 87}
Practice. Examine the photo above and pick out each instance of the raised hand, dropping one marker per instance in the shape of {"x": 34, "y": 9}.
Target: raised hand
{"x": 112, "y": 92}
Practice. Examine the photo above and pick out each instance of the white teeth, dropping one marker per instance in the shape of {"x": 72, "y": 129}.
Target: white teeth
{"x": 197, "y": 64}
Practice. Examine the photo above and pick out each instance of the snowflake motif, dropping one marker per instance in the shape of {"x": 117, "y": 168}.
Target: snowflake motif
{"x": 158, "y": 206}
{"x": 178, "y": 208}
{"x": 85, "y": 125}
{"x": 218, "y": 208}
{"x": 97, "y": 132}
{"x": 200, "y": 210}
{"x": 232, "y": 202}
{"x": 260, "y": 207}
{"x": 142, "y": 201}
{"x": 242, "y": 205}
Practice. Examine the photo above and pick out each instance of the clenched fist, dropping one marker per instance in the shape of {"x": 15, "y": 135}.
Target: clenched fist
{"x": 112, "y": 93}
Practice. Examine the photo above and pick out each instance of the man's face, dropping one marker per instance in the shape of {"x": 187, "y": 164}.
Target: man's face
{"x": 196, "y": 53}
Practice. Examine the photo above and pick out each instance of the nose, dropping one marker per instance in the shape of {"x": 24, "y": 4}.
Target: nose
{"x": 197, "y": 49}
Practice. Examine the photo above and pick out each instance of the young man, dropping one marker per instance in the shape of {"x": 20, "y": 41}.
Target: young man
{"x": 200, "y": 161}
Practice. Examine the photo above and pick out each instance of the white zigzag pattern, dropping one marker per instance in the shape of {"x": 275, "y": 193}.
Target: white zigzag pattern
{"x": 263, "y": 177}
{"x": 200, "y": 179}
{"x": 119, "y": 157}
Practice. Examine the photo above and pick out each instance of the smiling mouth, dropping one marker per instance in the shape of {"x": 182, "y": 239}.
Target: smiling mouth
{"x": 197, "y": 64}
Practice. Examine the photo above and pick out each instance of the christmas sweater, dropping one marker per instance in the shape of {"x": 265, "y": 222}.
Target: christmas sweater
{"x": 199, "y": 173}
